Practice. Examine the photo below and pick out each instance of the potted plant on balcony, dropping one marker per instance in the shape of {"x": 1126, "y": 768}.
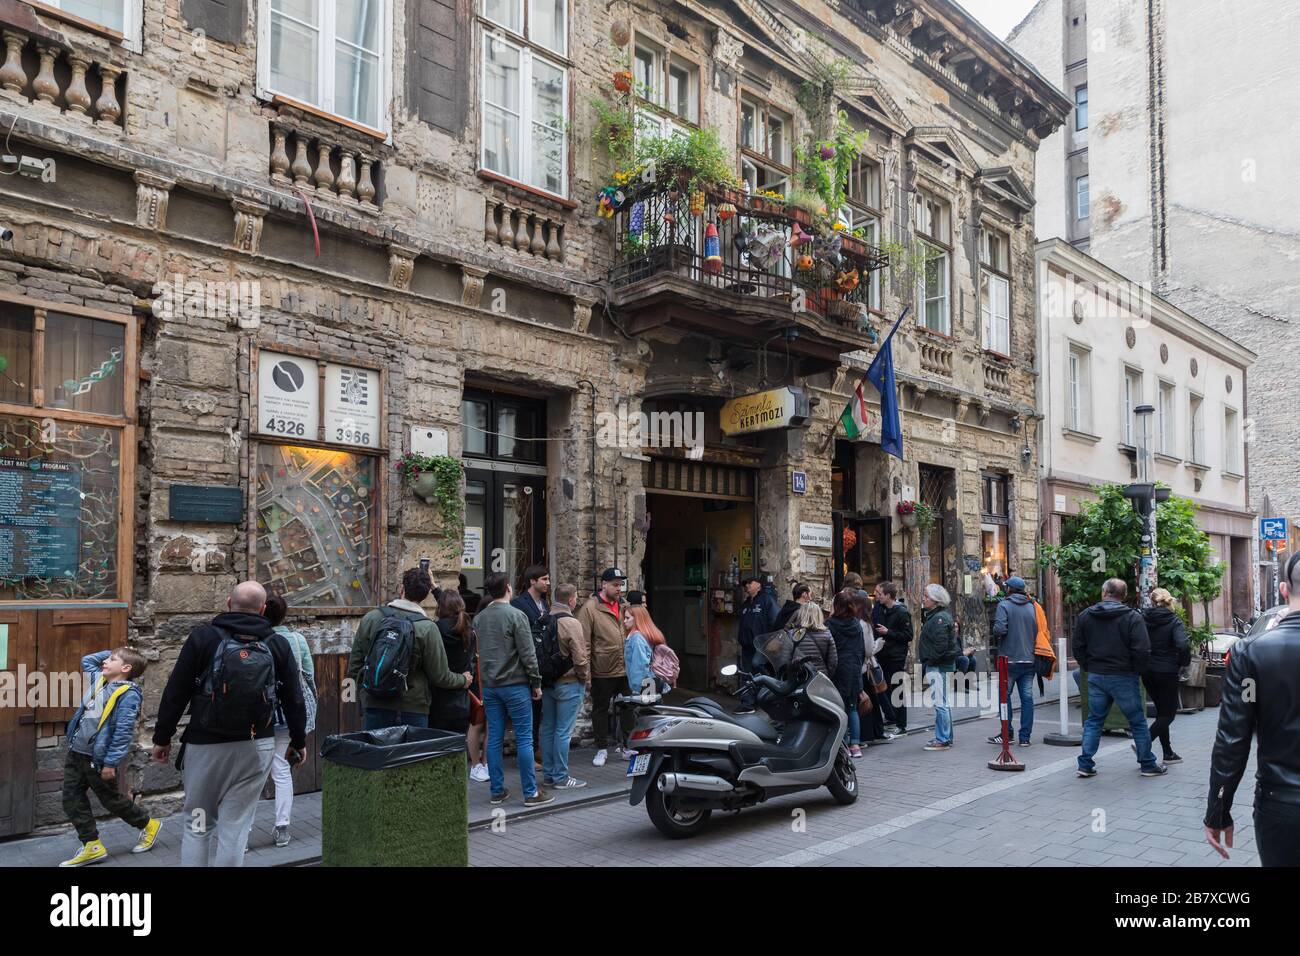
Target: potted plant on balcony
{"x": 906, "y": 513}
{"x": 805, "y": 206}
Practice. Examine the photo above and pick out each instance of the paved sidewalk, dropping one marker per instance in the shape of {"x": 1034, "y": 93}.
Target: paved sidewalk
{"x": 48, "y": 849}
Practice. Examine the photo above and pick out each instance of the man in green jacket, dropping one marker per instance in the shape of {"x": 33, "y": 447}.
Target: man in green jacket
{"x": 511, "y": 682}
{"x": 428, "y": 659}
{"x": 938, "y": 648}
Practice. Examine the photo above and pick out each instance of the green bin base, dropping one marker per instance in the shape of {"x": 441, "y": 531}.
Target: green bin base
{"x": 416, "y": 815}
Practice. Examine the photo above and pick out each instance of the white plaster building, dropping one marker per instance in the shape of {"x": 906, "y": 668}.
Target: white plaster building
{"x": 1178, "y": 170}
{"x": 1107, "y": 346}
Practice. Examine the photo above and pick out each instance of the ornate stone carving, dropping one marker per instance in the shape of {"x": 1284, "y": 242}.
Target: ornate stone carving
{"x": 727, "y": 49}
{"x": 77, "y": 95}
{"x": 279, "y": 156}
{"x": 582, "y": 313}
{"x": 471, "y": 285}
{"x": 401, "y": 266}
{"x": 301, "y": 167}
{"x": 1130, "y": 337}
{"x": 249, "y": 217}
{"x": 12, "y": 75}
{"x": 151, "y": 194}
{"x": 324, "y": 175}
{"x": 365, "y": 187}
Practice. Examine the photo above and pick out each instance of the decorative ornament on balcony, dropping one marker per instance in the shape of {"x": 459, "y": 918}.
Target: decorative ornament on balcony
{"x": 623, "y": 81}
{"x": 610, "y": 200}
{"x": 636, "y": 219}
{"x": 847, "y": 281}
{"x": 697, "y": 203}
{"x": 712, "y": 250}
{"x": 726, "y": 211}
{"x": 804, "y": 262}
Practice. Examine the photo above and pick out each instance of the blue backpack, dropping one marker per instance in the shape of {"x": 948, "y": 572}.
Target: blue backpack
{"x": 388, "y": 662}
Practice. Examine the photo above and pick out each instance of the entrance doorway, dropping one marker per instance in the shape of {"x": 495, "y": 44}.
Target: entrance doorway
{"x": 701, "y": 541}
{"x": 505, "y": 485}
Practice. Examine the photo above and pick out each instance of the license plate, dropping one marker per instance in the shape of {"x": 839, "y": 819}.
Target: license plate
{"x": 638, "y": 765}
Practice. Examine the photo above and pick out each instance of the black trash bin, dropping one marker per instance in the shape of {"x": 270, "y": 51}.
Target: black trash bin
{"x": 395, "y": 797}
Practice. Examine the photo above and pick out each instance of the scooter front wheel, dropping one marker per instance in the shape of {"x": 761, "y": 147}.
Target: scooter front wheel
{"x": 670, "y": 818}
{"x": 843, "y": 781}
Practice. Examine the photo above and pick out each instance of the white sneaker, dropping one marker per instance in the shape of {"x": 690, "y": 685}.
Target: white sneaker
{"x": 600, "y": 758}
{"x": 479, "y": 773}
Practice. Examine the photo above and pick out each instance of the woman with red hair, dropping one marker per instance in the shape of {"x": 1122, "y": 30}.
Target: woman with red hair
{"x": 638, "y": 647}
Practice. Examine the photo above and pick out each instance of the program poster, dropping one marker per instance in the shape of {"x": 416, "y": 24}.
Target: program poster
{"x": 40, "y": 518}
{"x": 352, "y": 405}
{"x": 288, "y": 396}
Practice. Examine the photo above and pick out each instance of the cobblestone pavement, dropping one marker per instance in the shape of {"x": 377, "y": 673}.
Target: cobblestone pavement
{"x": 925, "y": 808}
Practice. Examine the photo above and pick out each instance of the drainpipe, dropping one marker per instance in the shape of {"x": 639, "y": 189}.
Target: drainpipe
{"x": 591, "y": 480}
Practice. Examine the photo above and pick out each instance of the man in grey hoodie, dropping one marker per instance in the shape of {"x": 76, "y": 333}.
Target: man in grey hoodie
{"x": 1016, "y": 628}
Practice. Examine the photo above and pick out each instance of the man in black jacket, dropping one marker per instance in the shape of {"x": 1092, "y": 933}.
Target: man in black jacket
{"x": 801, "y": 595}
{"x": 223, "y": 774}
{"x": 1260, "y": 694}
{"x": 891, "y": 620}
{"x": 1112, "y": 646}
{"x": 757, "y": 617}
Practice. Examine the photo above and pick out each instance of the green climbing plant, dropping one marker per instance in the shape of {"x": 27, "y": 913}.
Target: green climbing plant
{"x": 447, "y": 473}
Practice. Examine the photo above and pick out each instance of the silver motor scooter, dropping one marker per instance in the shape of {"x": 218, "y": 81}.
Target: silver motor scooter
{"x": 697, "y": 758}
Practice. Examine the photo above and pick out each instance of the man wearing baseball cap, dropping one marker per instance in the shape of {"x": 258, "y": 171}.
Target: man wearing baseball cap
{"x": 1016, "y": 629}
{"x": 602, "y": 628}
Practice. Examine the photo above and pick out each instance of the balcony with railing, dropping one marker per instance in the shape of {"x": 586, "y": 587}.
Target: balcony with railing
{"x": 722, "y": 263}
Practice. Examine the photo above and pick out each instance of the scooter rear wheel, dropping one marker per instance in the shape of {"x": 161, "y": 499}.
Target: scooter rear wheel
{"x": 669, "y": 818}
{"x": 843, "y": 781}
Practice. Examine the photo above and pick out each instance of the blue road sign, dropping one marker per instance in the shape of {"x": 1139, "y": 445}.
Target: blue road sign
{"x": 1272, "y": 529}
{"x": 799, "y": 482}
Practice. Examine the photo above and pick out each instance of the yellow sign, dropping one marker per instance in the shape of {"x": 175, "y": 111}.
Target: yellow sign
{"x": 775, "y": 408}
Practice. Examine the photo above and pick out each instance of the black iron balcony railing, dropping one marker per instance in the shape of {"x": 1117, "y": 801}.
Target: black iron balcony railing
{"x": 764, "y": 249}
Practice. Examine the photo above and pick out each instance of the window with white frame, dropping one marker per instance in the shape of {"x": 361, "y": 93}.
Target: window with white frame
{"x": 933, "y": 225}
{"x": 1132, "y": 399}
{"x": 862, "y": 210}
{"x": 525, "y": 94}
{"x": 122, "y": 16}
{"x": 1196, "y": 424}
{"x": 995, "y": 290}
{"x": 331, "y": 56}
{"x": 1082, "y": 203}
{"x": 1231, "y": 442}
{"x": 668, "y": 87}
{"x": 1081, "y": 107}
{"x": 1165, "y": 443}
{"x": 765, "y": 143}
{"x": 1078, "y": 378}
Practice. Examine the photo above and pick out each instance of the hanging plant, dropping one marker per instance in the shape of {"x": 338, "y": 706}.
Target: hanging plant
{"x": 435, "y": 479}
{"x": 623, "y": 81}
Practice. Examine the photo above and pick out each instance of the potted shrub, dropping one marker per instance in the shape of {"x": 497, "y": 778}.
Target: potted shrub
{"x": 435, "y": 479}
{"x": 907, "y": 513}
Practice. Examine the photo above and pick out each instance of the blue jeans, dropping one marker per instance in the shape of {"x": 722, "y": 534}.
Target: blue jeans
{"x": 1123, "y": 690}
{"x": 515, "y": 703}
{"x": 1020, "y": 678}
{"x": 377, "y": 719}
{"x": 854, "y": 735}
{"x": 942, "y": 710}
{"x": 560, "y": 706}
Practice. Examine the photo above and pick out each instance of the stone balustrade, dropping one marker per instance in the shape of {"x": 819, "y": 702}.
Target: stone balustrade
{"x": 936, "y": 357}
{"x": 997, "y": 377}
{"x": 525, "y": 230}
{"x": 323, "y": 169}
{"x": 66, "y": 79}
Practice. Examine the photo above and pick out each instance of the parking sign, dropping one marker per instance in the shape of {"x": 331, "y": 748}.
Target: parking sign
{"x": 1272, "y": 529}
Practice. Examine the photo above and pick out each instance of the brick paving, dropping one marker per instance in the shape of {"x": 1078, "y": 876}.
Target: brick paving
{"x": 916, "y": 808}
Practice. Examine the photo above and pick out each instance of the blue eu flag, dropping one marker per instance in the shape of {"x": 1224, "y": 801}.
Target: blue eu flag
{"x": 881, "y": 375}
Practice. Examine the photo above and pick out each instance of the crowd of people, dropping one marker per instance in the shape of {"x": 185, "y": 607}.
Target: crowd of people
{"x": 529, "y": 660}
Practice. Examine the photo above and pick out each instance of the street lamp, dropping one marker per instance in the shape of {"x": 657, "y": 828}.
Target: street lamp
{"x": 1145, "y": 496}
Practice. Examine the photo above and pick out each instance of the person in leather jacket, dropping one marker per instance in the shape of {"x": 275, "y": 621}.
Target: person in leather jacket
{"x": 1261, "y": 698}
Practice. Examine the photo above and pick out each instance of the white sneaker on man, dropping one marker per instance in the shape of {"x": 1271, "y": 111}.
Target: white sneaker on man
{"x": 600, "y": 758}
{"x": 479, "y": 773}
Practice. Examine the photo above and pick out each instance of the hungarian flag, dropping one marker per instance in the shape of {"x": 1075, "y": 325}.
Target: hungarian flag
{"x": 855, "y": 417}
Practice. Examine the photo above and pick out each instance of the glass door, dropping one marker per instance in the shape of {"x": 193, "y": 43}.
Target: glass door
{"x": 505, "y": 524}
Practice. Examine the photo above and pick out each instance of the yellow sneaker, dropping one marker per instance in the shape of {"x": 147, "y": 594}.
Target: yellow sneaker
{"x": 92, "y": 852}
{"x": 147, "y": 837}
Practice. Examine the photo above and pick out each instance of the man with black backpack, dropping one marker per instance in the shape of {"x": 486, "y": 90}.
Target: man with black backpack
{"x": 398, "y": 658}
{"x": 231, "y": 674}
{"x": 566, "y": 677}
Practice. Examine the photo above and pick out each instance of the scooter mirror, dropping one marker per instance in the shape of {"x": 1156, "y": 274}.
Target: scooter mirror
{"x": 730, "y": 670}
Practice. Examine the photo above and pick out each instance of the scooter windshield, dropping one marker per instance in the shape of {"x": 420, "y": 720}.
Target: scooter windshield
{"x": 777, "y": 649}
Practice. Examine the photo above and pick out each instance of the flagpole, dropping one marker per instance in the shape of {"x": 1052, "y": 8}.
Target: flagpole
{"x": 834, "y": 428}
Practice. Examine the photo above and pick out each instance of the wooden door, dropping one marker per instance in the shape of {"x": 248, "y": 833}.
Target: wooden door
{"x": 17, "y": 723}
{"x": 333, "y": 716}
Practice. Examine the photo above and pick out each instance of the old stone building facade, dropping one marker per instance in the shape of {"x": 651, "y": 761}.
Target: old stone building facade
{"x": 269, "y": 248}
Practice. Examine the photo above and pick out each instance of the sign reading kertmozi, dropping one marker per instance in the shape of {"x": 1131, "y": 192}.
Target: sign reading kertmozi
{"x": 351, "y": 405}
{"x": 288, "y": 396}
{"x": 775, "y": 408}
{"x": 40, "y": 518}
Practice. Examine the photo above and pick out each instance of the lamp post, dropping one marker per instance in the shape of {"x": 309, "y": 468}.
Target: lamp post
{"x": 1145, "y": 496}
